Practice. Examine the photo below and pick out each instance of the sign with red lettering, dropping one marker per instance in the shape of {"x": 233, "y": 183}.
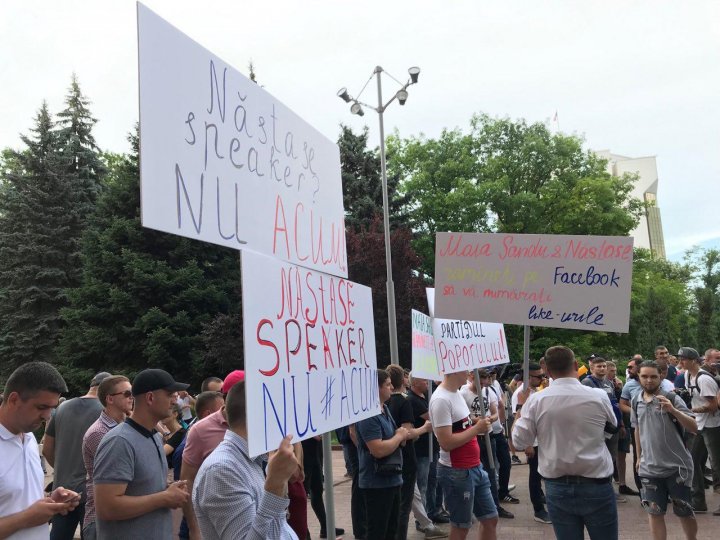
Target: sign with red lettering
{"x": 462, "y": 345}
{"x": 310, "y": 360}
{"x": 560, "y": 281}
{"x": 424, "y": 361}
{"x": 223, "y": 161}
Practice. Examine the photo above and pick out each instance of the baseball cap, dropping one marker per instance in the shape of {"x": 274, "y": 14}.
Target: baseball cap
{"x": 688, "y": 352}
{"x": 232, "y": 379}
{"x": 149, "y": 380}
{"x": 100, "y": 377}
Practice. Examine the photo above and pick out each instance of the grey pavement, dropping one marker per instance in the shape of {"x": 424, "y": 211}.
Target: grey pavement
{"x": 633, "y": 519}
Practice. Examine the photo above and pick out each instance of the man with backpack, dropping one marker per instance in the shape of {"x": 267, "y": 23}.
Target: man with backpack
{"x": 661, "y": 419}
{"x": 703, "y": 390}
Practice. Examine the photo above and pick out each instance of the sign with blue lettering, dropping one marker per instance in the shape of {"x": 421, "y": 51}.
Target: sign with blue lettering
{"x": 223, "y": 161}
{"x": 559, "y": 281}
{"x": 463, "y": 345}
{"x": 310, "y": 360}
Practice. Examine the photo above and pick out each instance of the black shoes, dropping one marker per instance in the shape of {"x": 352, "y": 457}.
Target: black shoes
{"x": 625, "y": 490}
{"x": 338, "y": 532}
{"x": 504, "y": 513}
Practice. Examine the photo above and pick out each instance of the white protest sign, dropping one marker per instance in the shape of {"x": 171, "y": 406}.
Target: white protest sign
{"x": 464, "y": 345}
{"x": 424, "y": 361}
{"x": 560, "y": 281}
{"x": 310, "y": 360}
{"x": 223, "y": 161}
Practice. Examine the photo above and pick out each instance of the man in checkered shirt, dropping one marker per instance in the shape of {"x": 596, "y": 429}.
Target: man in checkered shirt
{"x": 231, "y": 496}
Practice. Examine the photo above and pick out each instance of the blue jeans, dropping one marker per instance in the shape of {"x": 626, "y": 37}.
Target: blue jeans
{"x": 423, "y": 468}
{"x": 467, "y": 492}
{"x": 63, "y": 527}
{"x": 573, "y": 507}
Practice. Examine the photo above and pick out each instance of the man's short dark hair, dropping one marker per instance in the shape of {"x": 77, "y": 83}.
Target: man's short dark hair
{"x": 397, "y": 376}
{"x": 107, "y": 387}
{"x": 597, "y": 360}
{"x": 235, "y": 406}
{"x": 559, "y": 359}
{"x": 205, "y": 401}
{"x": 649, "y": 364}
{"x": 206, "y": 383}
{"x": 660, "y": 348}
{"x": 34, "y": 377}
{"x": 382, "y": 376}
{"x": 535, "y": 367}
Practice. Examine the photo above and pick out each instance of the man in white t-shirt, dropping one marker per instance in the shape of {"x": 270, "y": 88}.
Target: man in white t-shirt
{"x": 464, "y": 482}
{"x": 31, "y": 393}
{"x": 703, "y": 391}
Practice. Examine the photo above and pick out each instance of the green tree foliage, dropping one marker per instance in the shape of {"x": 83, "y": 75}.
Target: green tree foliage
{"x": 507, "y": 176}
{"x": 706, "y": 296}
{"x": 362, "y": 183}
{"x": 37, "y": 250}
{"x": 146, "y": 296}
{"x": 366, "y": 261}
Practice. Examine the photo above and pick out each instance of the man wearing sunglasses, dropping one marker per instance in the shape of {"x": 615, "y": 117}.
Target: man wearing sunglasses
{"x": 115, "y": 395}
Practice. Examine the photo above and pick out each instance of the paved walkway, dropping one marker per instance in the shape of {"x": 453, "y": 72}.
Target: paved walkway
{"x": 633, "y": 519}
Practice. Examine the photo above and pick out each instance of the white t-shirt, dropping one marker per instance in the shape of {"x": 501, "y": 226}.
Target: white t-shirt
{"x": 514, "y": 406}
{"x": 449, "y": 409}
{"x": 21, "y": 480}
{"x": 489, "y": 397}
{"x": 667, "y": 385}
{"x": 184, "y": 404}
{"x": 709, "y": 388}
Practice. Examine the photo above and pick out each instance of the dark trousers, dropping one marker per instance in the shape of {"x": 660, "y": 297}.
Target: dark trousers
{"x": 63, "y": 527}
{"x": 357, "y": 501}
{"x": 407, "y": 493}
{"x": 433, "y": 495}
{"x": 312, "y": 461}
{"x": 297, "y": 510}
{"x": 636, "y": 477}
{"x": 383, "y": 506}
{"x": 706, "y": 442}
{"x": 535, "y": 483}
{"x": 503, "y": 463}
{"x": 491, "y": 472}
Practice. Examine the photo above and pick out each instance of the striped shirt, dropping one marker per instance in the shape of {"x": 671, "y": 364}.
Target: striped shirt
{"x": 90, "y": 444}
{"x": 230, "y": 500}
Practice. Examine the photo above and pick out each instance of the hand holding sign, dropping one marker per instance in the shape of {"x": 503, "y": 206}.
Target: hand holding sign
{"x": 282, "y": 465}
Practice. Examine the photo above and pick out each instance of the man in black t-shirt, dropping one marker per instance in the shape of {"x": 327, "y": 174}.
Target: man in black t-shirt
{"x": 402, "y": 412}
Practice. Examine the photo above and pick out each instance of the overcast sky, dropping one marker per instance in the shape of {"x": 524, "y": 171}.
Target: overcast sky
{"x": 639, "y": 78}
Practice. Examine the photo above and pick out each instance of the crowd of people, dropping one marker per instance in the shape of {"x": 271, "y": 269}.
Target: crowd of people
{"x": 127, "y": 453}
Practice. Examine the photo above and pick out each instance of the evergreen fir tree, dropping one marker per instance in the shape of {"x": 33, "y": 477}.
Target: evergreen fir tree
{"x": 35, "y": 247}
{"x": 82, "y": 164}
{"x": 146, "y": 296}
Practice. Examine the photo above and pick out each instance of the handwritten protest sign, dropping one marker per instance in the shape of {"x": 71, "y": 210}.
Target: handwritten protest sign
{"x": 560, "y": 281}
{"x": 424, "y": 361}
{"x": 223, "y": 161}
{"x": 464, "y": 345}
{"x": 310, "y": 359}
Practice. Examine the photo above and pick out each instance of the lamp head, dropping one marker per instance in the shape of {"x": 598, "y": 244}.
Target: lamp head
{"x": 402, "y": 96}
{"x": 414, "y": 74}
{"x": 357, "y": 109}
{"x": 343, "y": 94}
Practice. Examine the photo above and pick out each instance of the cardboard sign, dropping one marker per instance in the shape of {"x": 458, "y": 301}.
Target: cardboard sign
{"x": 223, "y": 161}
{"x": 424, "y": 361}
{"x": 310, "y": 360}
{"x": 463, "y": 345}
{"x": 560, "y": 281}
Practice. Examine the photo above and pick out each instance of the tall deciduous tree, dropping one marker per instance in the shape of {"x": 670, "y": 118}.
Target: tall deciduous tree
{"x": 36, "y": 247}
{"x": 507, "y": 176}
{"x": 146, "y": 296}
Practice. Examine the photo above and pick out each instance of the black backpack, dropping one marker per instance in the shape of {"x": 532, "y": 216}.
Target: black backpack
{"x": 696, "y": 387}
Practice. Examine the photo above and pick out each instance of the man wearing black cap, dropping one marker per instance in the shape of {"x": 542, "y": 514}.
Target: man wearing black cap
{"x": 703, "y": 391}
{"x": 132, "y": 498}
{"x": 62, "y": 447}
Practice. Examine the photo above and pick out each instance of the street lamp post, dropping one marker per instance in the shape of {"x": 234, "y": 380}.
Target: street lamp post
{"x": 356, "y": 108}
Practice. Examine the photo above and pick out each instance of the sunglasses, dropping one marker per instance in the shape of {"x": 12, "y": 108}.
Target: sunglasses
{"x": 126, "y": 393}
